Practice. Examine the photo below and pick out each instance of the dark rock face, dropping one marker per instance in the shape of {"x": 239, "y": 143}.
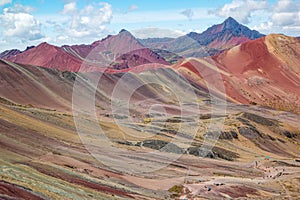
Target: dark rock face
{"x": 69, "y": 75}
{"x": 224, "y": 154}
{"x": 125, "y": 143}
{"x": 230, "y": 135}
{"x": 197, "y": 151}
{"x": 229, "y": 28}
{"x": 162, "y": 146}
{"x": 116, "y": 116}
{"x": 9, "y": 53}
{"x": 29, "y": 47}
{"x": 250, "y": 132}
{"x": 240, "y": 30}
{"x": 289, "y": 134}
{"x": 259, "y": 119}
{"x": 214, "y": 153}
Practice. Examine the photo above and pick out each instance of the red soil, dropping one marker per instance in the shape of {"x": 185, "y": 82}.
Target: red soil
{"x": 9, "y": 191}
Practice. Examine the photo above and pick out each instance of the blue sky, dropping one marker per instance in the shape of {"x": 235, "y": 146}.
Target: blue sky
{"x": 30, "y": 22}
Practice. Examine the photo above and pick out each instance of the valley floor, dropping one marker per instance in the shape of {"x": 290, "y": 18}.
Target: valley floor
{"x": 43, "y": 157}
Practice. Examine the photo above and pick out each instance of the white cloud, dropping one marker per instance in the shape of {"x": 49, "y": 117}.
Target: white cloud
{"x": 69, "y": 8}
{"x": 281, "y": 16}
{"x": 188, "y": 13}
{"x": 133, "y": 7}
{"x": 265, "y": 26}
{"x": 3, "y": 2}
{"x": 152, "y": 32}
{"x": 284, "y": 17}
{"x": 286, "y": 13}
{"x": 89, "y": 21}
{"x": 18, "y": 23}
{"x": 241, "y": 10}
{"x": 19, "y": 8}
{"x": 286, "y": 6}
{"x": 158, "y": 16}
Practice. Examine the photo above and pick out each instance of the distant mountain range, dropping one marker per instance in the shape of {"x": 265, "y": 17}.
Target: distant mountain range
{"x": 123, "y": 50}
{"x": 211, "y": 42}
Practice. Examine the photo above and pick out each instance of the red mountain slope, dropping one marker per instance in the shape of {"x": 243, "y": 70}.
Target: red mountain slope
{"x": 265, "y": 71}
{"x": 116, "y": 52}
{"x": 48, "y": 56}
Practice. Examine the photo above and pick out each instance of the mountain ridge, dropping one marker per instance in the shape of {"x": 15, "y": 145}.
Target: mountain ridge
{"x": 212, "y": 41}
{"x": 115, "y": 51}
{"x": 227, "y": 30}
